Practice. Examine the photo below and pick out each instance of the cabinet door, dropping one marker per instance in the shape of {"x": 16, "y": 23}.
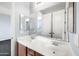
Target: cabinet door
{"x": 30, "y": 52}
{"x": 21, "y": 50}
{"x": 38, "y": 54}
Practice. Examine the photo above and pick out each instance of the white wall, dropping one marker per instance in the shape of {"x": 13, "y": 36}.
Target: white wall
{"x": 4, "y": 27}
{"x": 5, "y": 11}
{"x": 44, "y": 5}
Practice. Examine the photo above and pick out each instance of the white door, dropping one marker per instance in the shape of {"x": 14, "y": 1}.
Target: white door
{"x": 58, "y": 23}
{"x": 46, "y": 24}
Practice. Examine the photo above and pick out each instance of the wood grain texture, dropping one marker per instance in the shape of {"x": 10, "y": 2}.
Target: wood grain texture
{"x": 24, "y": 51}
{"x": 21, "y": 51}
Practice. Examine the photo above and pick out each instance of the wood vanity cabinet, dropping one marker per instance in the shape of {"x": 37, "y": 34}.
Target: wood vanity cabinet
{"x": 30, "y": 52}
{"x": 24, "y": 51}
{"x": 38, "y": 54}
{"x": 21, "y": 50}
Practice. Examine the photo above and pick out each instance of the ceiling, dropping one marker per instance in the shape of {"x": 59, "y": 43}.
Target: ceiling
{"x": 46, "y": 7}
{"x": 9, "y": 4}
{"x": 5, "y": 4}
{"x": 56, "y": 7}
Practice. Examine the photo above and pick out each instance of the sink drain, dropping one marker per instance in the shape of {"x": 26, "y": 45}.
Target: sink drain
{"x": 53, "y": 52}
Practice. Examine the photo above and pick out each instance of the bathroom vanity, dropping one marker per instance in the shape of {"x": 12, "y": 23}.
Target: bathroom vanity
{"x": 23, "y": 48}
{"x": 25, "y": 51}
{"x": 42, "y": 46}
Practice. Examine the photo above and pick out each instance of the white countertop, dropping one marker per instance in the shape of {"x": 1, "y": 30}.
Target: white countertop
{"x": 44, "y": 47}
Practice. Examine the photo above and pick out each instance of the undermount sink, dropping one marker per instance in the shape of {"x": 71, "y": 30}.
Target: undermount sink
{"x": 57, "y": 43}
{"x": 45, "y": 46}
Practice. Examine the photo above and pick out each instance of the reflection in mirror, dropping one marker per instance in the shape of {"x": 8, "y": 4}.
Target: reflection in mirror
{"x": 49, "y": 22}
{"x": 24, "y": 24}
{"x": 27, "y": 23}
{"x": 71, "y": 20}
{"x": 53, "y": 21}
